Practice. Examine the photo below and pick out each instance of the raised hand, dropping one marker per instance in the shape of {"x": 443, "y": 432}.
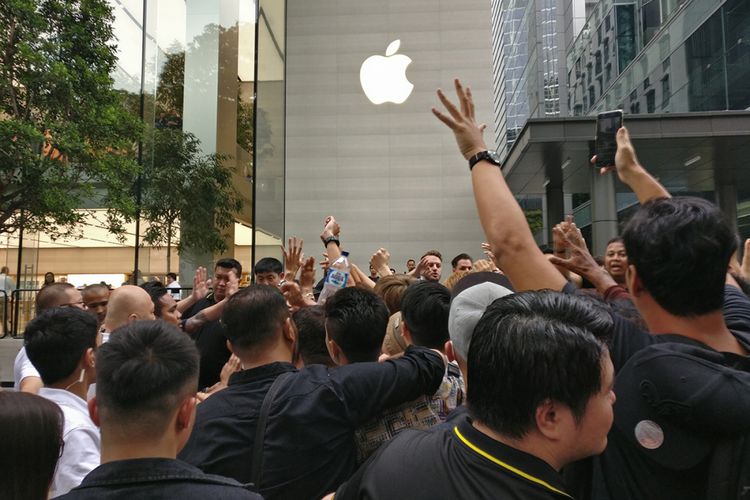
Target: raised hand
{"x": 380, "y": 260}
{"x": 293, "y": 257}
{"x": 200, "y": 283}
{"x": 461, "y": 120}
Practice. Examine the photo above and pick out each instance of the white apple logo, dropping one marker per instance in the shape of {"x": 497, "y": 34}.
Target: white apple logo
{"x": 384, "y": 78}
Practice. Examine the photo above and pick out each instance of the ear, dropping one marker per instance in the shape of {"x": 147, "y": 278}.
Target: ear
{"x": 185, "y": 414}
{"x": 633, "y": 281}
{"x": 334, "y": 351}
{"x": 405, "y": 332}
{"x": 550, "y": 417}
{"x": 94, "y": 411}
{"x": 89, "y": 358}
{"x": 449, "y": 351}
{"x": 289, "y": 330}
{"x": 132, "y": 317}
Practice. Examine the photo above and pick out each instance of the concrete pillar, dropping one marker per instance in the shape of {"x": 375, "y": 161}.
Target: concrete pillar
{"x": 603, "y": 211}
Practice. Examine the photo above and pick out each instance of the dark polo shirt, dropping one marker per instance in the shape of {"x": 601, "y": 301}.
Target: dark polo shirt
{"x": 452, "y": 462}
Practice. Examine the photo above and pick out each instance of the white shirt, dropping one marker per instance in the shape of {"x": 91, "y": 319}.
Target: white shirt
{"x": 23, "y": 368}
{"x": 175, "y": 293}
{"x": 81, "y": 454}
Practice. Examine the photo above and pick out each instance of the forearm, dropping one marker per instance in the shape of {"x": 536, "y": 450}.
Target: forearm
{"x": 204, "y": 316}
{"x": 508, "y": 232}
{"x": 186, "y": 303}
{"x": 644, "y": 185}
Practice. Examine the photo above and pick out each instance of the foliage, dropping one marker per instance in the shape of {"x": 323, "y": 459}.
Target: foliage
{"x": 188, "y": 189}
{"x": 65, "y": 136}
{"x": 535, "y": 220}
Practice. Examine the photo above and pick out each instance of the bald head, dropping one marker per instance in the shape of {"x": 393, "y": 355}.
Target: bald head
{"x": 127, "y": 303}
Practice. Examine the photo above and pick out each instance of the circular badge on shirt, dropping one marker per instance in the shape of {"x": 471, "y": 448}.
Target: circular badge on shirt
{"x": 649, "y": 434}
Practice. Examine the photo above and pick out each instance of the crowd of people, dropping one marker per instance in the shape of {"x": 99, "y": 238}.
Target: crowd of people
{"x": 524, "y": 374}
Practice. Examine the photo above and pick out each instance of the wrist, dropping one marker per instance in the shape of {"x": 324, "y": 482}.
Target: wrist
{"x": 331, "y": 239}
{"x": 474, "y": 151}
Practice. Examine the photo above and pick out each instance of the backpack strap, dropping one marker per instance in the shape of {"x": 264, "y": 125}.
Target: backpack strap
{"x": 256, "y": 474}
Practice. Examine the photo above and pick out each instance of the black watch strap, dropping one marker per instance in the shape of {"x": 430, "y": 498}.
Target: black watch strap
{"x": 331, "y": 239}
{"x": 489, "y": 156}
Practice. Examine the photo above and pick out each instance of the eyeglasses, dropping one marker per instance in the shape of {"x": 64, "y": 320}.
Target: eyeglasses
{"x": 79, "y": 304}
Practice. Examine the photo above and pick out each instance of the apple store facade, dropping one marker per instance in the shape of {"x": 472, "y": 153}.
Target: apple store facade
{"x": 361, "y": 142}
{"x": 321, "y": 107}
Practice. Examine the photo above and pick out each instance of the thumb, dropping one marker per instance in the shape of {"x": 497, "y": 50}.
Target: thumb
{"x": 622, "y": 137}
{"x": 558, "y": 261}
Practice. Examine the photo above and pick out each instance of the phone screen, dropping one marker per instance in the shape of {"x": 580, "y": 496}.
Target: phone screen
{"x": 607, "y": 125}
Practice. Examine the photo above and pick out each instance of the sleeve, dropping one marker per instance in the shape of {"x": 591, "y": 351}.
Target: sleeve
{"x": 366, "y": 389}
{"x": 627, "y": 339}
{"x": 736, "y": 310}
{"x": 80, "y": 456}
{"x": 22, "y": 368}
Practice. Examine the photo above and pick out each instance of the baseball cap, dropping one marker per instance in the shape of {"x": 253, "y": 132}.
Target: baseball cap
{"x": 472, "y": 295}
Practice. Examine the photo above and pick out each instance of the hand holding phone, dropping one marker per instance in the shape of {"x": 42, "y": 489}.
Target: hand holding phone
{"x": 607, "y": 125}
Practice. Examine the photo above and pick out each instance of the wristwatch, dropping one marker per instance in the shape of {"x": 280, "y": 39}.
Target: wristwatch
{"x": 330, "y": 239}
{"x": 490, "y": 156}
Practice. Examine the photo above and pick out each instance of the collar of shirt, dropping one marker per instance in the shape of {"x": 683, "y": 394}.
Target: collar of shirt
{"x": 65, "y": 398}
{"x": 261, "y": 372}
{"x": 510, "y": 459}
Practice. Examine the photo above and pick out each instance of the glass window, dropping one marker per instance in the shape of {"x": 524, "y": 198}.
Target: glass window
{"x": 626, "y": 45}
{"x": 650, "y": 19}
{"x": 666, "y": 92}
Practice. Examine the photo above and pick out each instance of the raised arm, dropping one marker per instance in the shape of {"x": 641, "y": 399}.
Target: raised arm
{"x": 632, "y": 173}
{"x": 502, "y": 219}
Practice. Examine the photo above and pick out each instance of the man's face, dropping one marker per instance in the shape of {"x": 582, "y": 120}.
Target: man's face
{"x": 96, "y": 301}
{"x": 434, "y": 268}
{"x": 616, "y": 261}
{"x": 590, "y": 434}
{"x": 221, "y": 278}
{"x": 410, "y": 265}
{"x": 168, "y": 310}
{"x": 272, "y": 279}
{"x": 462, "y": 265}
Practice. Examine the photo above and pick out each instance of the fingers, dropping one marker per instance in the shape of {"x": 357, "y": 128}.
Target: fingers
{"x": 622, "y": 137}
{"x": 449, "y": 105}
{"x": 440, "y": 116}
{"x": 471, "y": 108}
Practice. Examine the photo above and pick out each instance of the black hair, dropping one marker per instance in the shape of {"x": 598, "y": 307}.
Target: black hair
{"x": 531, "y": 347}
{"x": 56, "y": 339}
{"x": 268, "y": 265}
{"x": 356, "y": 320}
{"x": 156, "y": 290}
{"x": 424, "y": 308}
{"x": 31, "y": 430}
{"x": 311, "y": 331}
{"x": 229, "y": 263}
{"x": 680, "y": 248}
{"x": 254, "y": 315}
{"x": 172, "y": 275}
{"x": 143, "y": 373}
{"x": 94, "y": 287}
{"x": 616, "y": 239}
{"x": 458, "y": 257}
{"x": 51, "y": 295}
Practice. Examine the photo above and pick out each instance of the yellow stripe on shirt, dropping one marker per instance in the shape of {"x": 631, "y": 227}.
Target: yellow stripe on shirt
{"x": 507, "y": 466}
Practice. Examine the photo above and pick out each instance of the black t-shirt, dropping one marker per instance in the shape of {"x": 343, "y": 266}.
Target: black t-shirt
{"x": 452, "y": 462}
{"x": 623, "y": 471}
{"x": 212, "y": 344}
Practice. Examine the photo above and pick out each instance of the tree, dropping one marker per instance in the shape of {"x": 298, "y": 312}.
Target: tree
{"x": 65, "y": 136}
{"x": 186, "y": 189}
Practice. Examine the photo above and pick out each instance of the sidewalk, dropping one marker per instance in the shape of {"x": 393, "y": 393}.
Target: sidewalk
{"x": 8, "y": 349}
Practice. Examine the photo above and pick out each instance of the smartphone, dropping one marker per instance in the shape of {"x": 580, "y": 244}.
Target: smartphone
{"x": 607, "y": 125}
